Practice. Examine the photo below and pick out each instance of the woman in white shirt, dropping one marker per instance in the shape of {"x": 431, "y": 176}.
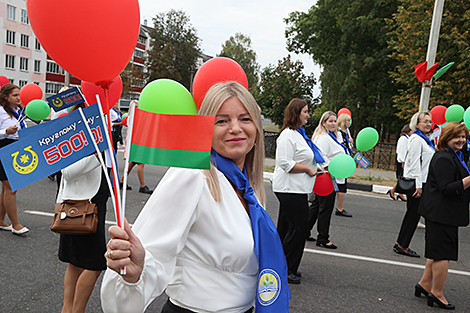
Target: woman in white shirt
{"x": 420, "y": 152}
{"x": 11, "y": 120}
{"x": 322, "y": 207}
{"x": 195, "y": 237}
{"x": 343, "y": 138}
{"x": 402, "y": 148}
{"x": 293, "y": 180}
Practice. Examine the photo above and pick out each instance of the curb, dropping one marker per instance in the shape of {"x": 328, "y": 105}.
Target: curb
{"x": 363, "y": 187}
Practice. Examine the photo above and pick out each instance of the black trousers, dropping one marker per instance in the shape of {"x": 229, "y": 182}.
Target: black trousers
{"x": 410, "y": 221}
{"x": 169, "y": 307}
{"x": 320, "y": 212}
{"x": 292, "y": 226}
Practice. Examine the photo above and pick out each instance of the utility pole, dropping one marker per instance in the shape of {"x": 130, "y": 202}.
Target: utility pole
{"x": 431, "y": 56}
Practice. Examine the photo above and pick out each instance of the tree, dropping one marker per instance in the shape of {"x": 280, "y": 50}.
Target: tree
{"x": 409, "y": 39}
{"x": 174, "y": 48}
{"x": 239, "y": 49}
{"x": 349, "y": 40}
{"x": 280, "y": 84}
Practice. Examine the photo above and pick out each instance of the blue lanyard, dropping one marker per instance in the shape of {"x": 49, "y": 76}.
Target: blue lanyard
{"x": 18, "y": 117}
{"x": 118, "y": 114}
{"x": 429, "y": 142}
{"x": 316, "y": 151}
{"x": 336, "y": 140}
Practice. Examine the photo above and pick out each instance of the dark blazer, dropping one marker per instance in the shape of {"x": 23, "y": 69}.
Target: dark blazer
{"x": 444, "y": 200}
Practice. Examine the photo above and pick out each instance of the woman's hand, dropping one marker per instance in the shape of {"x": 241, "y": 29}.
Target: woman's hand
{"x": 11, "y": 130}
{"x": 311, "y": 171}
{"x": 418, "y": 193}
{"x": 125, "y": 249}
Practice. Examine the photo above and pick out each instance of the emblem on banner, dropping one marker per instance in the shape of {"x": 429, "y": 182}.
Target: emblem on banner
{"x": 268, "y": 287}
{"x": 29, "y": 161}
{"x": 57, "y": 102}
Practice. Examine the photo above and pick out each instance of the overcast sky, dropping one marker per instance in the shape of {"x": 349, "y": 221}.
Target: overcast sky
{"x": 216, "y": 21}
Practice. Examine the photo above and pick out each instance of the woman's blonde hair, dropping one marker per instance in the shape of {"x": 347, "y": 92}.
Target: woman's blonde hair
{"x": 321, "y": 130}
{"x": 254, "y": 161}
{"x": 417, "y": 118}
{"x": 341, "y": 122}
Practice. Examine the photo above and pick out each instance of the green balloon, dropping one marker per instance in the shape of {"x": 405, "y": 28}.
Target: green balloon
{"x": 367, "y": 139}
{"x": 37, "y": 110}
{"x": 342, "y": 166}
{"x": 454, "y": 113}
{"x": 466, "y": 117}
{"x": 166, "y": 96}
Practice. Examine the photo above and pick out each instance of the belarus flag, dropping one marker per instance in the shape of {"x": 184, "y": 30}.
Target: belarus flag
{"x": 171, "y": 140}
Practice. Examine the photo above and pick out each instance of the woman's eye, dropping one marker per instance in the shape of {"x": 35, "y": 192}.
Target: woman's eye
{"x": 221, "y": 122}
{"x": 246, "y": 119}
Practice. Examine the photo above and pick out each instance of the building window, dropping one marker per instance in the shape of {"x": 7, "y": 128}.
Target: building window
{"x": 37, "y": 46}
{"x": 139, "y": 54}
{"x": 54, "y": 68}
{"x": 37, "y": 66}
{"x": 36, "y": 83}
{"x": 23, "y": 64}
{"x": 21, "y": 83}
{"x": 10, "y": 37}
{"x": 53, "y": 88}
{"x": 10, "y": 61}
{"x": 24, "y": 41}
{"x": 11, "y": 12}
{"x": 142, "y": 39}
{"x": 24, "y": 17}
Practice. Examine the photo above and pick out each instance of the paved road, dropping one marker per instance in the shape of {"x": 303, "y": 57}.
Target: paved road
{"x": 362, "y": 275}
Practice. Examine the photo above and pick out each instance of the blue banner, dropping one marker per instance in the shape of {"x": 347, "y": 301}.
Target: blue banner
{"x": 359, "y": 158}
{"x": 65, "y": 99}
{"x": 49, "y": 147}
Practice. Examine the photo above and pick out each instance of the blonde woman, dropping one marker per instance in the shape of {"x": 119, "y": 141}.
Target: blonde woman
{"x": 194, "y": 237}
{"x": 344, "y": 138}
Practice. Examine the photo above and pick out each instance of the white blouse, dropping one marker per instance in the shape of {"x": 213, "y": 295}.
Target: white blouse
{"x": 402, "y": 146}
{"x": 417, "y": 160}
{"x": 291, "y": 149}
{"x": 200, "y": 250}
{"x": 5, "y": 122}
{"x": 330, "y": 149}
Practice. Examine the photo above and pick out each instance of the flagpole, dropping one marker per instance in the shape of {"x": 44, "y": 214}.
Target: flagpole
{"x": 127, "y": 148}
{"x": 103, "y": 164}
{"x": 116, "y": 194}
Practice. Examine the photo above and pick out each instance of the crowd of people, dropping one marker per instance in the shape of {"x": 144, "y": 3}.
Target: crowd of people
{"x": 201, "y": 225}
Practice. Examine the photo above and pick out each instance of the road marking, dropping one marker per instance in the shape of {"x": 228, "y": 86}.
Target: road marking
{"x": 363, "y": 258}
{"x": 52, "y": 214}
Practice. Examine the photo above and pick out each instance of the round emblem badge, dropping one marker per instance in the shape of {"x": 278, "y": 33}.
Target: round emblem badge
{"x": 269, "y": 286}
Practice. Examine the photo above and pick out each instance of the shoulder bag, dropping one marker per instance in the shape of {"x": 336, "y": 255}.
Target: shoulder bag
{"x": 75, "y": 217}
{"x": 405, "y": 185}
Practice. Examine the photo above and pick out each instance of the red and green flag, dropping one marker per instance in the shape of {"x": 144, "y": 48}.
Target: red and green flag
{"x": 171, "y": 140}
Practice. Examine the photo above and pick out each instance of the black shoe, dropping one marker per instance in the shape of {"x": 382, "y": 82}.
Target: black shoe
{"x": 420, "y": 290}
{"x": 298, "y": 274}
{"x": 433, "y": 299}
{"x": 342, "y": 213}
{"x": 292, "y": 279}
{"x": 310, "y": 238}
{"x": 51, "y": 177}
{"x": 127, "y": 188}
{"x": 410, "y": 252}
{"x": 325, "y": 245}
{"x": 145, "y": 189}
{"x": 390, "y": 194}
{"x": 401, "y": 198}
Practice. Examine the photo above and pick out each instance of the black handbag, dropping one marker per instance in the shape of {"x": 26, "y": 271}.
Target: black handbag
{"x": 405, "y": 185}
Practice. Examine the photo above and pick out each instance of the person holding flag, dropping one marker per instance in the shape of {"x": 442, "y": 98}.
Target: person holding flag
{"x": 11, "y": 120}
{"x": 203, "y": 235}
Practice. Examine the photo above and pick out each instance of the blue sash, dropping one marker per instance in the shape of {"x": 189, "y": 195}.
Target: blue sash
{"x": 118, "y": 114}
{"x": 336, "y": 140}
{"x": 316, "y": 151}
{"x": 18, "y": 117}
{"x": 459, "y": 156}
{"x": 429, "y": 142}
{"x": 272, "y": 288}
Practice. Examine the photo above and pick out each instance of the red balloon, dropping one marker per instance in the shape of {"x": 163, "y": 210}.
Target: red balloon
{"x": 115, "y": 90}
{"x": 63, "y": 114}
{"x": 323, "y": 185}
{"x": 344, "y": 110}
{"x": 124, "y": 120}
{"x": 3, "y": 81}
{"x": 216, "y": 70}
{"x": 30, "y": 92}
{"x": 439, "y": 114}
{"x": 95, "y": 52}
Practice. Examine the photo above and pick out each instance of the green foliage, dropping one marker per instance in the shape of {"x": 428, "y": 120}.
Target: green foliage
{"x": 410, "y": 29}
{"x": 238, "y": 48}
{"x": 349, "y": 40}
{"x": 280, "y": 84}
{"x": 174, "y": 48}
